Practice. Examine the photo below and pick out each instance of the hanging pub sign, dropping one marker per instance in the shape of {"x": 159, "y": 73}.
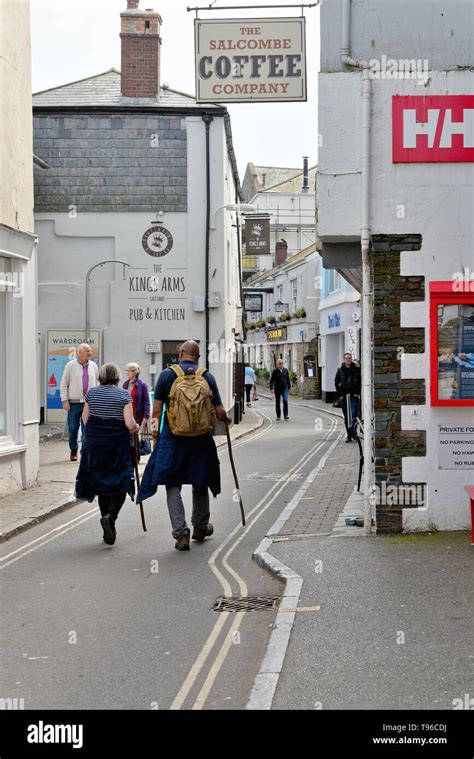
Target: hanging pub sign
{"x": 257, "y": 236}
{"x": 452, "y": 345}
{"x": 250, "y": 60}
{"x": 253, "y": 302}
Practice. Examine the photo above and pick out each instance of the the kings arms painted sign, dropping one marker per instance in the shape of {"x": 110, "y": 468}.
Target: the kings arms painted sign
{"x": 250, "y": 60}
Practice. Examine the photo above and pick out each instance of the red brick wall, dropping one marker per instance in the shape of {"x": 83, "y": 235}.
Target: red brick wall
{"x": 140, "y": 65}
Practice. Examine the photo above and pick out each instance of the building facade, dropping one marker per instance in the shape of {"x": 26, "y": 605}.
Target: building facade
{"x": 415, "y": 104}
{"x": 139, "y": 175}
{"x": 19, "y": 408}
{"x": 339, "y": 328}
{"x": 287, "y": 198}
{"x": 288, "y": 325}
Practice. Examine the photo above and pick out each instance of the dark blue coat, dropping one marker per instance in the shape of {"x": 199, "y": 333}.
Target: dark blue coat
{"x": 106, "y": 467}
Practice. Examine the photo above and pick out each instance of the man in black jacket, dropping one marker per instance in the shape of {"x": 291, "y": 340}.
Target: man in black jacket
{"x": 280, "y": 384}
{"x": 348, "y": 381}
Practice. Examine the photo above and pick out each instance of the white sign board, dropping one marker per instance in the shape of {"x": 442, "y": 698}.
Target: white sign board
{"x": 456, "y": 447}
{"x": 152, "y": 347}
{"x": 250, "y": 60}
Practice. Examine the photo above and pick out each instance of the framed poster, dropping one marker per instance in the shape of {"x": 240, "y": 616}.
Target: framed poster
{"x": 61, "y": 347}
{"x": 452, "y": 345}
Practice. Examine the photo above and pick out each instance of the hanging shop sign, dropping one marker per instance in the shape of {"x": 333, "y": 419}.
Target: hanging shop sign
{"x": 257, "y": 236}
{"x": 253, "y": 303}
{"x": 452, "y": 346}
{"x": 250, "y": 60}
{"x": 277, "y": 334}
{"x": 432, "y": 128}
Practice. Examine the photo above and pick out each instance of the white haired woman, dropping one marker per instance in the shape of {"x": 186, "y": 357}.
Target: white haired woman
{"x": 106, "y": 469}
{"x": 139, "y": 392}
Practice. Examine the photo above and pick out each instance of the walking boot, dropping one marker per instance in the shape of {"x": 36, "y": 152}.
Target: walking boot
{"x": 200, "y": 534}
{"x": 109, "y": 530}
{"x": 182, "y": 543}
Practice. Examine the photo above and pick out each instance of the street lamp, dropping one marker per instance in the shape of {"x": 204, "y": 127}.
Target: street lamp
{"x": 279, "y": 307}
{"x": 88, "y": 275}
{"x": 239, "y": 207}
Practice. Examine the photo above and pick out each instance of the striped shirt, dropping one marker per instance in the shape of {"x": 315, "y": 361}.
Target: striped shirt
{"x": 107, "y": 401}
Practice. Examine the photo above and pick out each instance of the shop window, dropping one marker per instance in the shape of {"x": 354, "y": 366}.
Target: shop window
{"x": 452, "y": 344}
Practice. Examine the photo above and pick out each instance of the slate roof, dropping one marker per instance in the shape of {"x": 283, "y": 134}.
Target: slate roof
{"x": 104, "y": 90}
{"x": 291, "y": 261}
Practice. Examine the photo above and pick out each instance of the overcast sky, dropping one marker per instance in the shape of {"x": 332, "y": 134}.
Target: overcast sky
{"x": 74, "y": 39}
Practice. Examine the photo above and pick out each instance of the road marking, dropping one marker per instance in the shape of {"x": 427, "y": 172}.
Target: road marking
{"x": 74, "y": 522}
{"x": 193, "y": 674}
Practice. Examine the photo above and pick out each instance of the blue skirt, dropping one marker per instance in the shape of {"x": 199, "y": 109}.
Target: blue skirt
{"x": 180, "y": 460}
{"x": 106, "y": 467}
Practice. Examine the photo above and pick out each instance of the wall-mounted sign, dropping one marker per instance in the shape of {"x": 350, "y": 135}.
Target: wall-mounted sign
{"x": 257, "y": 236}
{"x": 355, "y": 316}
{"x": 157, "y": 241}
{"x": 250, "y": 60}
{"x": 452, "y": 346}
{"x": 334, "y": 320}
{"x": 432, "y": 128}
{"x": 456, "y": 447}
{"x": 61, "y": 347}
{"x": 253, "y": 302}
{"x": 152, "y": 347}
{"x": 276, "y": 334}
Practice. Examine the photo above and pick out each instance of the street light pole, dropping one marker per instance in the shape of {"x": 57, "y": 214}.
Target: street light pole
{"x": 88, "y": 275}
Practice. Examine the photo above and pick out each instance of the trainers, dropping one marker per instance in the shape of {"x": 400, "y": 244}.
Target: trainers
{"x": 200, "y": 534}
{"x": 287, "y": 418}
{"x": 182, "y": 543}
{"x": 109, "y": 530}
{"x": 73, "y": 456}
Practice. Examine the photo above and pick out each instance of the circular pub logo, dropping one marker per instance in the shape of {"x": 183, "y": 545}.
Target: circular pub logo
{"x": 157, "y": 241}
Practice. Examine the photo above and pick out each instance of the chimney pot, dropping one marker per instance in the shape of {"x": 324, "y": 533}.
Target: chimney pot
{"x": 132, "y": 4}
{"x": 141, "y": 44}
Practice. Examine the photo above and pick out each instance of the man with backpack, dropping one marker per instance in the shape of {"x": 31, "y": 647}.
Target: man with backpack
{"x": 184, "y": 451}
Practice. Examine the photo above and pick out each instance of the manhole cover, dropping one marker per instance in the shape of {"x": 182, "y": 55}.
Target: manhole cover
{"x": 255, "y": 603}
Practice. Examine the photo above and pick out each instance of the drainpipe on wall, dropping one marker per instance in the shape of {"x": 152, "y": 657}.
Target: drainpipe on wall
{"x": 207, "y": 118}
{"x": 367, "y": 279}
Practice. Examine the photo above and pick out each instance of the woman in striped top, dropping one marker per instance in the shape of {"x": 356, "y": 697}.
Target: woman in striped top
{"x": 106, "y": 469}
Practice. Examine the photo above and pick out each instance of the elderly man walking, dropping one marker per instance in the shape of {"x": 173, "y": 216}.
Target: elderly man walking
{"x": 185, "y": 452}
{"x": 279, "y": 385}
{"x": 79, "y": 376}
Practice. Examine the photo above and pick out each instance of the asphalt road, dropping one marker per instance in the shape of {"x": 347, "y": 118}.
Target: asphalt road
{"x": 88, "y": 626}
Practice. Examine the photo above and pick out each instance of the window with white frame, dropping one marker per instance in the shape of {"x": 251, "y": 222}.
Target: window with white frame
{"x": 5, "y": 288}
{"x": 294, "y": 294}
{"x": 334, "y": 280}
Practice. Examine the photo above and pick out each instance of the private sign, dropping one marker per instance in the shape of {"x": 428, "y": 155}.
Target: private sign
{"x": 250, "y": 60}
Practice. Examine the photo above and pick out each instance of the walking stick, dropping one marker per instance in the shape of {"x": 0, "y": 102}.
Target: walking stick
{"x": 235, "y": 475}
{"x": 135, "y": 447}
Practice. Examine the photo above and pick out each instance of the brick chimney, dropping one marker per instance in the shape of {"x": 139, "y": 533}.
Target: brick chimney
{"x": 141, "y": 44}
{"x": 281, "y": 253}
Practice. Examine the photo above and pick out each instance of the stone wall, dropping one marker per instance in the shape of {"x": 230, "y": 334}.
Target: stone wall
{"x": 100, "y": 162}
{"x": 391, "y": 392}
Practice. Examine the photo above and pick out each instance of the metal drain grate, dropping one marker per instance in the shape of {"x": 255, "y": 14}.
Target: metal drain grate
{"x": 250, "y": 603}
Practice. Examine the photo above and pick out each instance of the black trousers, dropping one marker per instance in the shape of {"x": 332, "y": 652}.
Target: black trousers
{"x": 247, "y": 392}
{"x": 279, "y": 394}
{"x": 111, "y": 505}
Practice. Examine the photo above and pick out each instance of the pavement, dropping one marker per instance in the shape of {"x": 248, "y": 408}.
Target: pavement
{"x": 365, "y": 622}
{"x": 57, "y": 476}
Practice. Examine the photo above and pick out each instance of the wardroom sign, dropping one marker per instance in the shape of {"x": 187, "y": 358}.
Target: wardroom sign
{"x": 250, "y": 60}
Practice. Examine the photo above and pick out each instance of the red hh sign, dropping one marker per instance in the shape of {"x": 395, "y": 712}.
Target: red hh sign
{"x": 432, "y": 128}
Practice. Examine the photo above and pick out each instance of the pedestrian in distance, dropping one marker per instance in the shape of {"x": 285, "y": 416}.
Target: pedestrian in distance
{"x": 184, "y": 450}
{"x": 249, "y": 380}
{"x": 139, "y": 392}
{"x": 106, "y": 467}
{"x": 280, "y": 384}
{"x": 348, "y": 383}
{"x": 79, "y": 376}
{"x": 138, "y": 389}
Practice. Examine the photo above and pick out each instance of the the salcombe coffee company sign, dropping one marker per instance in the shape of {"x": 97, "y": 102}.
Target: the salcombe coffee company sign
{"x": 250, "y": 60}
